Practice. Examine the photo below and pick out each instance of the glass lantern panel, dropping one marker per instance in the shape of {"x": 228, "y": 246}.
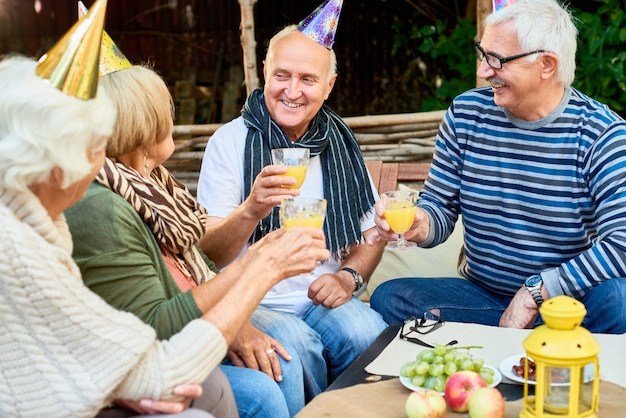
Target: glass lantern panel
{"x": 558, "y": 389}
{"x": 586, "y": 388}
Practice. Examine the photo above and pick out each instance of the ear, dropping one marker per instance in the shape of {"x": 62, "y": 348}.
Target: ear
{"x": 264, "y": 71}
{"x": 550, "y": 63}
{"x": 56, "y": 177}
{"x": 331, "y": 84}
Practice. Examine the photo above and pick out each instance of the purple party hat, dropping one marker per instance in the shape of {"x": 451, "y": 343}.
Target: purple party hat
{"x": 321, "y": 25}
{"x": 501, "y": 4}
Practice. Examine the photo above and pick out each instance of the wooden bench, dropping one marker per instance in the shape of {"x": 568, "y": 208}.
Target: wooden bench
{"x": 387, "y": 176}
{"x": 403, "y": 142}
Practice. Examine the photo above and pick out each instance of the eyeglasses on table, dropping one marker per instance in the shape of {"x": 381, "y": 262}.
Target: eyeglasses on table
{"x": 430, "y": 321}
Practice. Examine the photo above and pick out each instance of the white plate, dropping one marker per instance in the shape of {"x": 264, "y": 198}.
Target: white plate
{"x": 497, "y": 378}
{"x": 506, "y": 368}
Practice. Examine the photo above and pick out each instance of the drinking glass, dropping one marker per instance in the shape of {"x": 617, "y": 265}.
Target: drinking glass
{"x": 296, "y": 160}
{"x": 400, "y": 213}
{"x": 301, "y": 211}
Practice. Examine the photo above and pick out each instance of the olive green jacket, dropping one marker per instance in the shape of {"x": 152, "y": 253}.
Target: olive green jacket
{"x": 120, "y": 260}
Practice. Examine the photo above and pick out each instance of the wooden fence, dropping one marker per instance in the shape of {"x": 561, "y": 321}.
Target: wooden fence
{"x": 407, "y": 137}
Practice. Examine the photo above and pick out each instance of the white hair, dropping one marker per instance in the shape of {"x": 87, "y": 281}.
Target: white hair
{"x": 543, "y": 24}
{"x": 293, "y": 28}
{"x": 42, "y": 127}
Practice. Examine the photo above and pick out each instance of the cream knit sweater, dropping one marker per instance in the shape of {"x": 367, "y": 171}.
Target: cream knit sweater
{"x": 63, "y": 351}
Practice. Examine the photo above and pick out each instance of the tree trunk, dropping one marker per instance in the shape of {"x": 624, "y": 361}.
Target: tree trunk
{"x": 483, "y": 8}
{"x": 248, "y": 44}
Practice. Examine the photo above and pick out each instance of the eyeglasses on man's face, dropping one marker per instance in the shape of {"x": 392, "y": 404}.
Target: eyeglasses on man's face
{"x": 495, "y": 61}
{"x": 427, "y": 323}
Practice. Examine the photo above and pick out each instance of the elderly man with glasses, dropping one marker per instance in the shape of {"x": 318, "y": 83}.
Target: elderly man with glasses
{"x": 537, "y": 170}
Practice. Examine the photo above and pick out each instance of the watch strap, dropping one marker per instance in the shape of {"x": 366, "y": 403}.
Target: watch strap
{"x": 536, "y": 294}
{"x": 358, "y": 280}
{"x": 535, "y": 291}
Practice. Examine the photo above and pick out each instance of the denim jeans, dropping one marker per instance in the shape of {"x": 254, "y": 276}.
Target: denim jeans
{"x": 461, "y": 300}
{"x": 326, "y": 340}
{"x": 259, "y": 395}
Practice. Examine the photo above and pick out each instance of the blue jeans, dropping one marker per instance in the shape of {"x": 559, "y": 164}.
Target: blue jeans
{"x": 326, "y": 340}
{"x": 464, "y": 301}
{"x": 259, "y": 395}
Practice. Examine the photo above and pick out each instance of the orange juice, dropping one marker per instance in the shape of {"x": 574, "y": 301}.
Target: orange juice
{"x": 304, "y": 218}
{"x": 400, "y": 216}
{"x": 297, "y": 171}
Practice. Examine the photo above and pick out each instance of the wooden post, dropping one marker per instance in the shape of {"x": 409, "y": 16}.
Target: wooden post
{"x": 483, "y": 8}
{"x": 248, "y": 44}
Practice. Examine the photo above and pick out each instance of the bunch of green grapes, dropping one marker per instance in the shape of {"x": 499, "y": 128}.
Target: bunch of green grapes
{"x": 432, "y": 367}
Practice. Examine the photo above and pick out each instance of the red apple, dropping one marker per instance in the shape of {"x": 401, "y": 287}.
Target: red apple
{"x": 460, "y": 386}
{"x": 425, "y": 404}
{"x": 486, "y": 403}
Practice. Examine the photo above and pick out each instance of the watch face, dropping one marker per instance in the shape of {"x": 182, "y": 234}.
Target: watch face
{"x": 359, "y": 279}
{"x": 533, "y": 281}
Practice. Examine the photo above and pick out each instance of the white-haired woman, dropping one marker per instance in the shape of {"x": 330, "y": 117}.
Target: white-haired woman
{"x": 63, "y": 350}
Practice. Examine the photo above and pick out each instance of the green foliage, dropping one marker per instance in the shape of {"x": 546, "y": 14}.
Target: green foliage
{"x": 453, "y": 61}
{"x": 442, "y": 64}
{"x": 445, "y": 57}
{"x": 601, "y": 68}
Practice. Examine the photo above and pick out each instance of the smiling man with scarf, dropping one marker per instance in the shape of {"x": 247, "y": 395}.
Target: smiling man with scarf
{"x": 241, "y": 189}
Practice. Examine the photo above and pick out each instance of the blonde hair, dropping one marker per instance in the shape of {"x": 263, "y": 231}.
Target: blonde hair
{"x": 42, "y": 128}
{"x": 144, "y": 105}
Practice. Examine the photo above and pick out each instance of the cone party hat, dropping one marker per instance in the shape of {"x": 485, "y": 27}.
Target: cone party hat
{"x": 71, "y": 65}
{"x": 111, "y": 57}
{"x": 321, "y": 25}
{"x": 501, "y": 4}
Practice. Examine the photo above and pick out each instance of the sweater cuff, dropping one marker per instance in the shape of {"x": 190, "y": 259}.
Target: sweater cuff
{"x": 551, "y": 281}
{"x": 204, "y": 346}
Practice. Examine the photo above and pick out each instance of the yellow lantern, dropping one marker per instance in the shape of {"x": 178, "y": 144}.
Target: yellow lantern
{"x": 567, "y": 369}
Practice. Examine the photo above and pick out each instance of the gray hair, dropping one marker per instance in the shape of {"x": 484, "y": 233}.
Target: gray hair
{"x": 42, "y": 128}
{"x": 543, "y": 24}
{"x": 293, "y": 28}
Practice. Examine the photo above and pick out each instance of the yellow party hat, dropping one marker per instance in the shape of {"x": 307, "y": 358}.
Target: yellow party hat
{"x": 71, "y": 65}
{"x": 111, "y": 58}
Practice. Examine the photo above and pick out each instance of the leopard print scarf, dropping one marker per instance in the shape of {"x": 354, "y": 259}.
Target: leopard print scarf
{"x": 167, "y": 207}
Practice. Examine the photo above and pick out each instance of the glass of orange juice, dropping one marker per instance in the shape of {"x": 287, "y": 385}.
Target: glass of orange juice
{"x": 400, "y": 208}
{"x": 301, "y": 211}
{"x": 296, "y": 160}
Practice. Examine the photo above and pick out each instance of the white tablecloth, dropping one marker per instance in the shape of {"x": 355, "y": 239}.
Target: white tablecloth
{"x": 498, "y": 344}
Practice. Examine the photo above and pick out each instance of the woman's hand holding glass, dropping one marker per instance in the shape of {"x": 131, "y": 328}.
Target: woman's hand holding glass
{"x": 288, "y": 252}
{"x": 300, "y": 211}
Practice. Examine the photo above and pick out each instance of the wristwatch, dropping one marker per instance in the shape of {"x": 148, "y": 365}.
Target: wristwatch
{"x": 358, "y": 279}
{"x": 533, "y": 285}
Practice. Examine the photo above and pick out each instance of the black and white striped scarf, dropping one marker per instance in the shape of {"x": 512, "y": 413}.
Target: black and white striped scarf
{"x": 175, "y": 218}
{"x": 346, "y": 183}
